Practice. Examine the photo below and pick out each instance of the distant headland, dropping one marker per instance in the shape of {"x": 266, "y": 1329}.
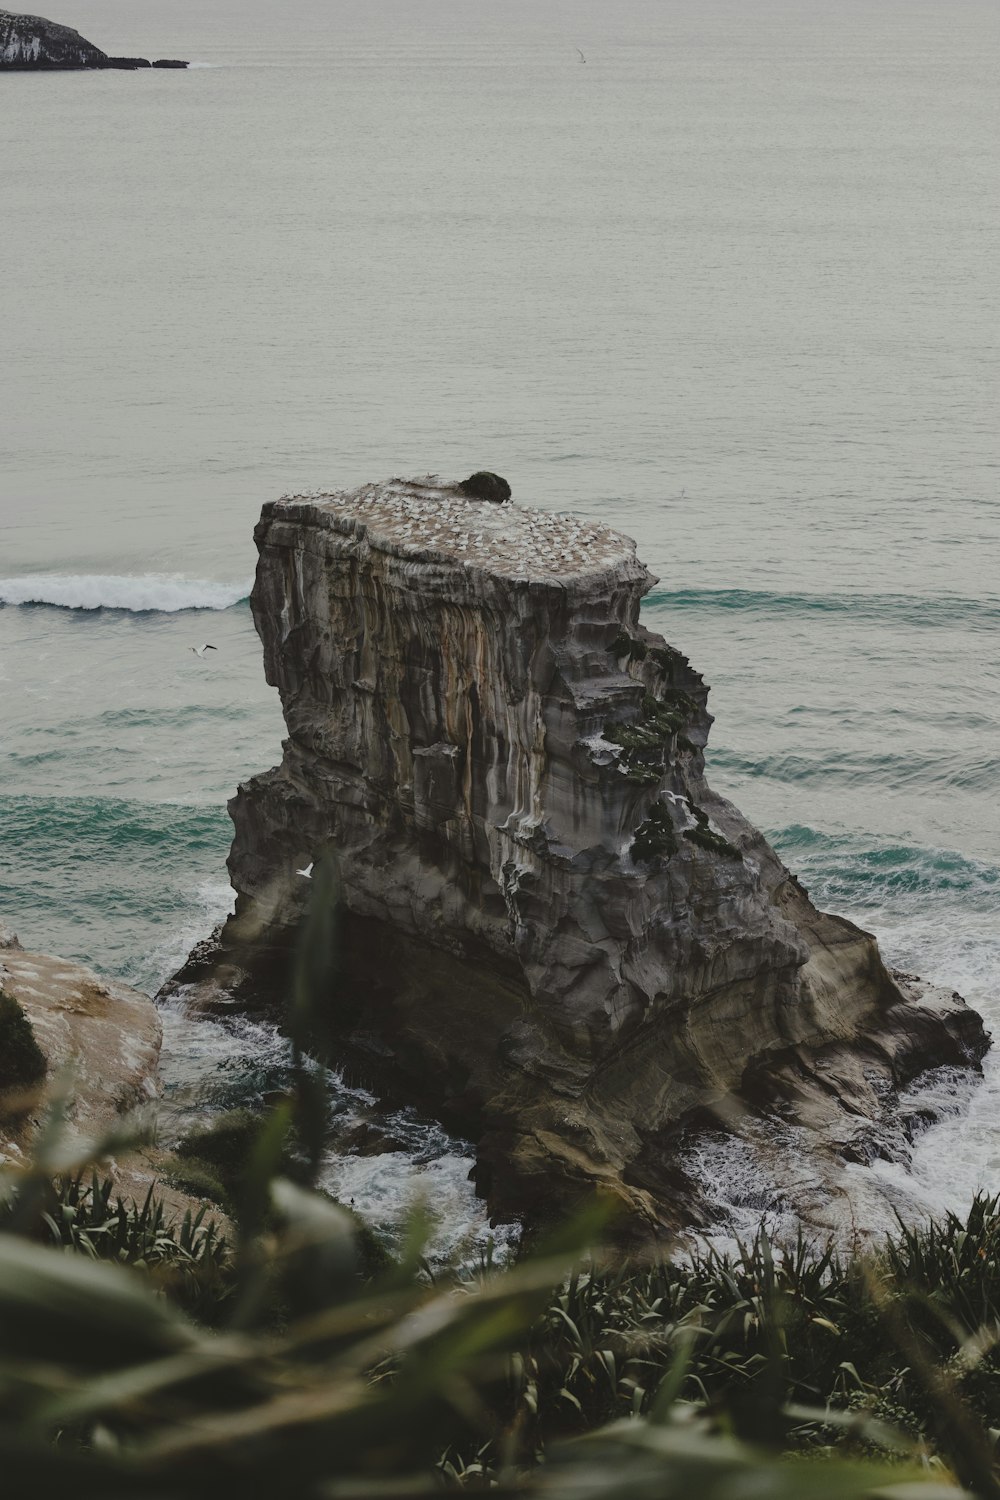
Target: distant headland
{"x": 32, "y": 42}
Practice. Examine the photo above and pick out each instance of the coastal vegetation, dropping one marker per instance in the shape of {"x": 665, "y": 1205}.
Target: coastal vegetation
{"x": 145, "y": 1356}
{"x": 22, "y": 1061}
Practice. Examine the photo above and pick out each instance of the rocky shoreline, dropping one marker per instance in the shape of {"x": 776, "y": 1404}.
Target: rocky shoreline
{"x": 101, "y": 1044}
{"x": 552, "y": 934}
{"x": 101, "y": 1035}
{"x": 33, "y": 44}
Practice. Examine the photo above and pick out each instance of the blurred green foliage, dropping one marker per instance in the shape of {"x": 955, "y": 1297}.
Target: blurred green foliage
{"x": 21, "y": 1059}
{"x": 140, "y": 1357}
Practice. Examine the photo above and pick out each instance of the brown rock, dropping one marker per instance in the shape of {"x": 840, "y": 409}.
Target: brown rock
{"x": 554, "y": 935}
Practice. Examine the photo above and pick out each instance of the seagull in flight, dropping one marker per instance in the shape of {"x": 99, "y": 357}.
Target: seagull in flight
{"x": 200, "y": 650}
{"x": 307, "y": 873}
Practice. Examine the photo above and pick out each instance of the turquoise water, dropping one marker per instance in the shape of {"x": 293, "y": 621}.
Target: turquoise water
{"x": 730, "y": 285}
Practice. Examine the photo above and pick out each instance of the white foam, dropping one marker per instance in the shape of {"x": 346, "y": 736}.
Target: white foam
{"x": 737, "y": 1175}
{"x": 433, "y": 1170}
{"x": 760, "y": 1177}
{"x": 138, "y": 593}
{"x": 211, "y": 903}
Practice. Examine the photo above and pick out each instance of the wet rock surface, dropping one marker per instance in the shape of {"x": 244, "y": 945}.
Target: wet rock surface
{"x": 32, "y": 42}
{"x": 553, "y": 935}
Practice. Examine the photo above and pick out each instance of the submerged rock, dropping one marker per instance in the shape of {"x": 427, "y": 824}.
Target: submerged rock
{"x": 553, "y": 935}
{"x": 34, "y": 42}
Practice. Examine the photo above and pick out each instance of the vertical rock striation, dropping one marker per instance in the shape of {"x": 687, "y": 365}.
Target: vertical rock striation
{"x": 554, "y": 933}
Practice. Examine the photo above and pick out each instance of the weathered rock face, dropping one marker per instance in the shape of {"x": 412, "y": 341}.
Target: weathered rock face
{"x": 34, "y": 42}
{"x": 104, "y": 1038}
{"x": 105, "y": 1034}
{"x": 554, "y": 933}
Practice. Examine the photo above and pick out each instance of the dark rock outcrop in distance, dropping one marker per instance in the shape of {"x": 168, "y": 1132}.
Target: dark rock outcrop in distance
{"x": 554, "y": 935}
{"x": 32, "y": 42}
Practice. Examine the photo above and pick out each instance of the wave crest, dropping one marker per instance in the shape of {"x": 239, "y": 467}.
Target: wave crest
{"x": 138, "y": 593}
{"x": 852, "y": 870}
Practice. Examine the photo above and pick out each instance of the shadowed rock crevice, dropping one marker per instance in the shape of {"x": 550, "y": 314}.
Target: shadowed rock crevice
{"x": 554, "y": 935}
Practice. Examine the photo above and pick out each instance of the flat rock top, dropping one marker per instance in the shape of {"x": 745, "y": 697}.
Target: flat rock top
{"x": 429, "y": 514}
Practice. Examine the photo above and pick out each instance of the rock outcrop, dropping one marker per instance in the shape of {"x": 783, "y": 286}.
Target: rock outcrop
{"x": 554, "y": 935}
{"x": 35, "y": 43}
{"x": 101, "y": 1036}
{"x": 101, "y": 1044}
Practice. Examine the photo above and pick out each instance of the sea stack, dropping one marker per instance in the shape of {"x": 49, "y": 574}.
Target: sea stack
{"x": 553, "y": 934}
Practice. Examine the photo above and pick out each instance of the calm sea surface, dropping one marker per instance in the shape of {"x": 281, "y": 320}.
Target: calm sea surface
{"x": 730, "y": 284}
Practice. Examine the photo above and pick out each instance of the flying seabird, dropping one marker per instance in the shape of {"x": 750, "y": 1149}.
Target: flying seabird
{"x": 200, "y": 650}
{"x": 307, "y": 872}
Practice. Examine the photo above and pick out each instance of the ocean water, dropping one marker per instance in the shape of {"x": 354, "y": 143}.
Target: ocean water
{"x": 729, "y": 284}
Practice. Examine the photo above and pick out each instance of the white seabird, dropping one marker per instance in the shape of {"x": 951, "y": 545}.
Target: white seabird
{"x": 200, "y": 650}
{"x": 307, "y": 872}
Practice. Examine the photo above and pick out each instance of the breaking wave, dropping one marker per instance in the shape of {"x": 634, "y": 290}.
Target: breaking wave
{"x": 141, "y": 593}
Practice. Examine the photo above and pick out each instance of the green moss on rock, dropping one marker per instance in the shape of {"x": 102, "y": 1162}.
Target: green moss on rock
{"x": 656, "y": 837}
{"x": 22, "y": 1061}
{"x": 668, "y": 659}
{"x": 705, "y": 837}
{"x": 627, "y": 645}
{"x": 645, "y": 741}
{"x": 669, "y": 713}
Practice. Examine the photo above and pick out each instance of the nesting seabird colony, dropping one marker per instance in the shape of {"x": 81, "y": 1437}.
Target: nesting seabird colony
{"x": 415, "y": 517}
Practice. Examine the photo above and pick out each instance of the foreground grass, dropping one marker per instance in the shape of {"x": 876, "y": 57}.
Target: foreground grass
{"x": 140, "y": 1357}
{"x": 147, "y": 1358}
